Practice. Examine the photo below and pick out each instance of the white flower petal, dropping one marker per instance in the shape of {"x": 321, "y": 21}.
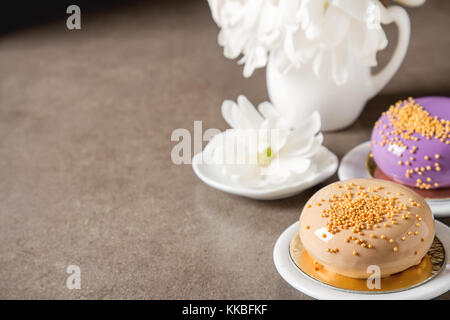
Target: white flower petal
{"x": 242, "y": 115}
{"x": 267, "y": 110}
{"x": 309, "y": 150}
{"x": 252, "y": 10}
{"x": 282, "y": 62}
{"x": 227, "y": 113}
{"x": 310, "y": 126}
{"x": 234, "y": 44}
{"x": 297, "y": 145}
{"x": 317, "y": 63}
{"x": 273, "y": 134}
{"x": 283, "y": 166}
{"x": 257, "y": 58}
{"x": 301, "y": 139}
{"x": 372, "y": 41}
{"x": 249, "y": 112}
{"x": 315, "y": 147}
{"x": 295, "y": 164}
{"x": 306, "y": 49}
{"x": 289, "y": 50}
{"x": 334, "y": 28}
{"x": 356, "y": 9}
{"x": 339, "y": 63}
{"x": 215, "y": 6}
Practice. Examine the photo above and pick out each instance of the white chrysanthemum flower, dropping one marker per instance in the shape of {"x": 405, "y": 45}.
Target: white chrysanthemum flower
{"x": 302, "y": 31}
{"x": 251, "y": 28}
{"x": 261, "y": 148}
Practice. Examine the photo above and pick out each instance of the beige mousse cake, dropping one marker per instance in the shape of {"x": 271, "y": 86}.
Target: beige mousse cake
{"x": 350, "y": 225}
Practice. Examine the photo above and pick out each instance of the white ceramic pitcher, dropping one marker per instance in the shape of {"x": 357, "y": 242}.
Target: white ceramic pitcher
{"x": 339, "y": 106}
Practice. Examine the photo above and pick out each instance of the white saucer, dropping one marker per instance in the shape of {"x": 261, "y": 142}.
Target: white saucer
{"x": 353, "y": 165}
{"x": 325, "y": 160}
{"x": 300, "y": 281}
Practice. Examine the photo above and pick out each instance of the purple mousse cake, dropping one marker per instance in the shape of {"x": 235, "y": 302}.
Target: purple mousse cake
{"x": 411, "y": 142}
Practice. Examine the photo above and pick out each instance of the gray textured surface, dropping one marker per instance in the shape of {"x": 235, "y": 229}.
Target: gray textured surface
{"x": 85, "y": 170}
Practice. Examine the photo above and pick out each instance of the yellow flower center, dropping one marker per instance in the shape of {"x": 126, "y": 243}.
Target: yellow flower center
{"x": 265, "y": 157}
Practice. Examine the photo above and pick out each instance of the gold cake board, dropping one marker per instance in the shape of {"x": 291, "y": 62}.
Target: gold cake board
{"x": 427, "y": 269}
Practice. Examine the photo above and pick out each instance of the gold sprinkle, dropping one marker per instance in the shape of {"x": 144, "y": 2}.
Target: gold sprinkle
{"x": 368, "y": 210}
{"x": 408, "y": 117}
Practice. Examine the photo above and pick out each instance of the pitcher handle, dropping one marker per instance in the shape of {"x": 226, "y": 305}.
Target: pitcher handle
{"x": 400, "y": 17}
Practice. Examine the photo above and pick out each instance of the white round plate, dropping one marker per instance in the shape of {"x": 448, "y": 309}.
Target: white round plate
{"x": 353, "y": 165}
{"x": 325, "y": 160}
{"x": 302, "y": 282}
